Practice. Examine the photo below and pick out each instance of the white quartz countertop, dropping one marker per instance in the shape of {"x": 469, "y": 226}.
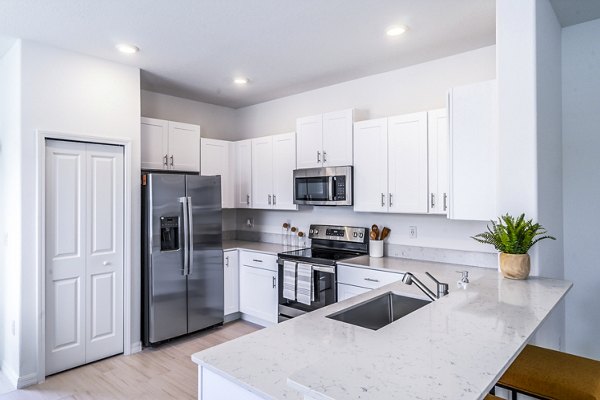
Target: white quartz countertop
{"x": 261, "y": 247}
{"x": 453, "y": 348}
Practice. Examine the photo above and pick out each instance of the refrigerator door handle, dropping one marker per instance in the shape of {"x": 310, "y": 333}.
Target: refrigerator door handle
{"x": 186, "y": 256}
{"x": 190, "y": 235}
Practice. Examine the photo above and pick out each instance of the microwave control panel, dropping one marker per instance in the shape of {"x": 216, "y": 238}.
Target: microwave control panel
{"x": 340, "y": 188}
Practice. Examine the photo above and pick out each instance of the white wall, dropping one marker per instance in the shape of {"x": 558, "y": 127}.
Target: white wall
{"x": 68, "y": 92}
{"x": 581, "y": 183}
{"x": 415, "y": 88}
{"x": 216, "y": 122}
{"x": 10, "y": 209}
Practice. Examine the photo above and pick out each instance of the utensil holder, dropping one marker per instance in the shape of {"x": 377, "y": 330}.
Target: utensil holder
{"x": 375, "y": 248}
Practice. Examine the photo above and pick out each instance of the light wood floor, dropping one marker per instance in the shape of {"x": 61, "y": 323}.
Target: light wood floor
{"x": 165, "y": 372}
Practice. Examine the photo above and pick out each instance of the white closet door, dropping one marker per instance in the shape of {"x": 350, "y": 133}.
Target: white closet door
{"x": 65, "y": 255}
{"x": 84, "y": 253}
{"x": 104, "y": 266}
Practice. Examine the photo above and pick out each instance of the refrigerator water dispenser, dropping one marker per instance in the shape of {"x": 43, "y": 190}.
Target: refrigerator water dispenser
{"x": 169, "y": 233}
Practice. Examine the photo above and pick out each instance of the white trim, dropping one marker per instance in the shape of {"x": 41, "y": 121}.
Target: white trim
{"x": 10, "y": 374}
{"x": 41, "y": 227}
{"x": 135, "y": 347}
{"x": 256, "y": 320}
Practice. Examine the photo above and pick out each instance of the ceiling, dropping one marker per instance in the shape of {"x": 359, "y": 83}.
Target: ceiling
{"x": 193, "y": 48}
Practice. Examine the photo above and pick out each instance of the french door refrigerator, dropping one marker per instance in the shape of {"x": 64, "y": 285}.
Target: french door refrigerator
{"x": 182, "y": 255}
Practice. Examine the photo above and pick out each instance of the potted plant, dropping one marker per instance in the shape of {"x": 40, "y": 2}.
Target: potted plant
{"x": 513, "y": 237}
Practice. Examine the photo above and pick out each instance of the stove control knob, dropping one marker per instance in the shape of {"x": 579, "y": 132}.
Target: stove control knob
{"x": 354, "y": 234}
{"x": 311, "y": 231}
{"x": 361, "y": 235}
{"x": 316, "y": 231}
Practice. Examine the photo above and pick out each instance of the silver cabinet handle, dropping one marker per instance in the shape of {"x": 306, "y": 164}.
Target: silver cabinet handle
{"x": 432, "y": 200}
{"x": 274, "y": 282}
{"x": 324, "y": 156}
{"x": 445, "y": 201}
{"x": 390, "y": 199}
{"x": 382, "y": 199}
{"x": 247, "y": 199}
{"x": 165, "y": 160}
{"x": 269, "y": 199}
{"x": 171, "y": 160}
{"x": 318, "y": 156}
{"x": 227, "y": 261}
{"x": 371, "y": 280}
{"x": 255, "y": 260}
{"x": 274, "y": 199}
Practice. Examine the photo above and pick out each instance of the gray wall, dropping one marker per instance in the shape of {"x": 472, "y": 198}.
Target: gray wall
{"x": 581, "y": 184}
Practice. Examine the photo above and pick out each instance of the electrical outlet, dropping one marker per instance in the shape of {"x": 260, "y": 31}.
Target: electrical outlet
{"x": 412, "y": 232}
{"x": 250, "y": 222}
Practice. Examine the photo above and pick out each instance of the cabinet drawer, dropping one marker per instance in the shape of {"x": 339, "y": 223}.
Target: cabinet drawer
{"x": 258, "y": 260}
{"x": 364, "y": 277}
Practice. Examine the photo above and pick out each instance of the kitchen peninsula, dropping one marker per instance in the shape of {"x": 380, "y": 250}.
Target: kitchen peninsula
{"x": 453, "y": 348}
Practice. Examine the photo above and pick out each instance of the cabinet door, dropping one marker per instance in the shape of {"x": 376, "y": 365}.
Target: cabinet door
{"x": 284, "y": 163}
{"x": 232, "y": 282}
{"x": 309, "y": 132}
{"x": 258, "y": 293}
{"x": 473, "y": 152}
{"x": 407, "y": 163}
{"x": 262, "y": 172}
{"x": 437, "y": 137}
{"x": 349, "y": 291}
{"x": 215, "y": 160}
{"x": 243, "y": 174}
{"x": 337, "y": 138}
{"x": 370, "y": 165}
{"x": 154, "y": 143}
{"x": 184, "y": 147}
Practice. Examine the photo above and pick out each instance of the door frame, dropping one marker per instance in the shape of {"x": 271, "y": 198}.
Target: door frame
{"x": 126, "y": 144}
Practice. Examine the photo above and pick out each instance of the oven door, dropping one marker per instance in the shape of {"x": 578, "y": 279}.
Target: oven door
{"x": 325, "y": 293}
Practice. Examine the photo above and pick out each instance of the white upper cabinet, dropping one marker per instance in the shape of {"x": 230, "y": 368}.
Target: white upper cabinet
{"x": 473, "y": 152}
{"x": 310, "y": 141}
{"x": 407, "y": 163}
{"x": 370, "y": 165}
{"x": 273, "y": 163}
{"x": 325, "y": 140}
{"x": 217, "y": 159}
{"x": 337, "y": 138}
{"x": 438, "y": 161}
{"x": 243, "y": 174}
{"x": 262, "y": 172}
{"x": 284, "y": 163}
{"x": 170, "y": 145}
{"x": 154, "y": 143}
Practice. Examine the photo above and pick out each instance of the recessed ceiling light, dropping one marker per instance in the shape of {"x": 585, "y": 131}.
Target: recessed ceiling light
{"x": 127, "y": 48}
{"x": 395, "y": 30}
{"x": 240, "y": 81}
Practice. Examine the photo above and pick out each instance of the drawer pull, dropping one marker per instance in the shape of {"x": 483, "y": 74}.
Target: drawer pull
{"x": 371, "y": 280}
{"x": 255, "y": 260}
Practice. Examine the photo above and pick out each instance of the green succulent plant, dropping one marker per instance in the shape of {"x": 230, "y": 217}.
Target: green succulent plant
{"x": 513, "y": 235}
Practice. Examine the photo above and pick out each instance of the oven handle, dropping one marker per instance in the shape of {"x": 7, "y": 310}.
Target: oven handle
{"x": 324, "y": 268}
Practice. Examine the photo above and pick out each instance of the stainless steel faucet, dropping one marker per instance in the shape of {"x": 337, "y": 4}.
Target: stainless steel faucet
{"x": 442, "y": 288}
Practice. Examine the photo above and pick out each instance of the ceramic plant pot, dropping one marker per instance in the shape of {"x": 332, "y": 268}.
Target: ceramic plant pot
{"x": 515, "y": 266}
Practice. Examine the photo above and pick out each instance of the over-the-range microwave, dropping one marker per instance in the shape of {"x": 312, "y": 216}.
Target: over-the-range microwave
{"x": 323, "y": 186}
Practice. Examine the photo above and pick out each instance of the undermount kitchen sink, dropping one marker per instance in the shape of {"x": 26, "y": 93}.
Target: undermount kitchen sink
{"x": 379, "y": 311}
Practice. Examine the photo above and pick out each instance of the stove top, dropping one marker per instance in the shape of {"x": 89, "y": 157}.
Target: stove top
{"x": 321, "y": 256}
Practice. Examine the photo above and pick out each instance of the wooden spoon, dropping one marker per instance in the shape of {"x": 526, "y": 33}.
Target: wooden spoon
{"x": 373, "y": 235}
{"x": 385, "y": 232}
{"x": 375, "y": 229}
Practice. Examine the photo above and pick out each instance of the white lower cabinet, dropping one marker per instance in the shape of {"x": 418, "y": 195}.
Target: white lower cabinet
{"x": 258, "y": 287}
{"x": 231, "y": 291}
{"x": 212, "y": 386}
{"x": 353, "y": 281}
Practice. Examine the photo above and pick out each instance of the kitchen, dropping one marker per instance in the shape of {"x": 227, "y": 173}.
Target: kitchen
{"x": 524, "y": 186}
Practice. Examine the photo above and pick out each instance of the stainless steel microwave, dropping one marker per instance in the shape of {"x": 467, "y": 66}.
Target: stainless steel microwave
{"x": 323, "y": 186}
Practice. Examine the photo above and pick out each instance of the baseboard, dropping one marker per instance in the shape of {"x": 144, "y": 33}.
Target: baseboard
{"x": 17, "y": 381}
{"x": 136, "y": 347}
{"x": 232, "y": 317}
{"x": 257, "y": 321}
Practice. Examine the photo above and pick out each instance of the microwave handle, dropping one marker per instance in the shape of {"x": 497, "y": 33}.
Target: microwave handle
{"x": 331, "y": 188}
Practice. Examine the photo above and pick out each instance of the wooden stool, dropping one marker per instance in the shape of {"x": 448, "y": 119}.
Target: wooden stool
{"x": 550, "y": 374}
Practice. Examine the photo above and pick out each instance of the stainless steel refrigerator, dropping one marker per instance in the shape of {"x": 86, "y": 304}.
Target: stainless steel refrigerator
{"x": 182, "y": 255}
